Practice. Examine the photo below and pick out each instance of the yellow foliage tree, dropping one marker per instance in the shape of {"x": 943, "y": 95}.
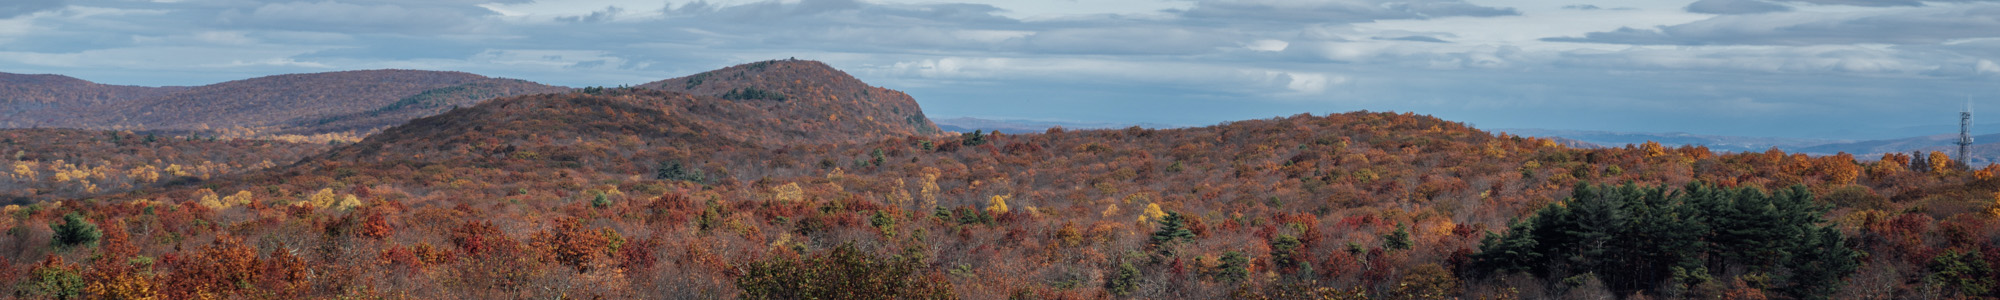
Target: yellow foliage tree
{"x": 998, "y": 205}
{"x": 1111, "y": 210}
{"x": 900, "y": 197}
{"x": 240, "y": 198}
{"x": 24, "y": 171}
{"x": 790, "y": 192}
{"x": 123, "y": 285}
{"x": 1839, "y": 169}
{"x": 1653, "y": 149}
{"x": 929, "y": 190}
{"x": 1152, "y": 212}
{"x": 210, "y": 200}
{"x": 176, "y": 170}
{"x": 1994, "y": 207}
{"x": 1886, "y": 166}
{"x": 323, "y": 199}
{"x": 1941, "y": 163}
{"x": 348, "y": 202}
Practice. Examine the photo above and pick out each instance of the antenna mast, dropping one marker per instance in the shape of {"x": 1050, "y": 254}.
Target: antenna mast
{"x": 1965, "y": 132}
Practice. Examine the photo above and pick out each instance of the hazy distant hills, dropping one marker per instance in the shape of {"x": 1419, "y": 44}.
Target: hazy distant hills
{"x": 294, "y": 103}
{"x": 1713, "y": 142}
{"x": 297, "y": 102}
{"x": 968, "y": 124}
{"x": 1985, "y": 150}
{"x": 809, "y": 94}
{"x": 1896, "y": 145}
{"x": 29, "y": 100}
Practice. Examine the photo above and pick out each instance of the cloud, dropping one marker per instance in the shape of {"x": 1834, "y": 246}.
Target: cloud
{"x": 347, "y": 17}
{"x": 1334, "y": 11}
{"x": 16, "y": 8}
{"x": 1870, "y": 3}
{"x": 847, "y": 12}
{"x": 595, "y": 16}
{"x": 1125, "y": 40}
{"x": 1735, "y": 7}
{"x": 1414, "y": 38}
{"x": 1926, "y": 25}
{"x": 1760, "y": 59}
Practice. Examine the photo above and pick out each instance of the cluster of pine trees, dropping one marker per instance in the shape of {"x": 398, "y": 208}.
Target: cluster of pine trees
{"x": 1676, "y": 243}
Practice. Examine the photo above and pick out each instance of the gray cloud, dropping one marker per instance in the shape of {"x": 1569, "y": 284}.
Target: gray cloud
{"x": 1414, "y": 38}
{"x": 1735, "y": 7}
{"x": 1870, "y": 3}
{"x": 15, "y": 8}
{"x": 596, "y": 16}
{"x": 1124, "y": 40}
{"x": 1321, "y": 11}
{"x": 1881, "y": 3}
{"x": 776, "y": 14}
{"x": 362, "y": 17}
{"x": 1912, "y": 26}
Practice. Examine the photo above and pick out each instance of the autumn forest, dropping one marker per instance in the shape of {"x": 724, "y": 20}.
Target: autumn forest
{"x": 789, "y": 179}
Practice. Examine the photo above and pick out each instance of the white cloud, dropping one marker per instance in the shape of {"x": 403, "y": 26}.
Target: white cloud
{"x": 353, "y": 18}
{"x": 1267, "y": 45}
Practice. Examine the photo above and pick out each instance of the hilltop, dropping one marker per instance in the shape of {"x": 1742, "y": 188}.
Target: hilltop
{"x": 39, "y": 100}
{"x": 811, "y": 93}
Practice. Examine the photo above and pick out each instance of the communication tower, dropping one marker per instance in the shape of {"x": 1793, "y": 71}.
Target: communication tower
{"x": 1964, "y": 132}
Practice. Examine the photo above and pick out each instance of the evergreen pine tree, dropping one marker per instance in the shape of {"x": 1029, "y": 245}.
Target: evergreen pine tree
{"x": 1124, "y": 281}
{"x": 74, "y": 231}
{"x": 1397, "y": 240}
{"x": 1173, "y": 227}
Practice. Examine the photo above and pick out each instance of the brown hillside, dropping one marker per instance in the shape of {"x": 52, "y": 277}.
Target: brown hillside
{"x": 44, "y": 100}
{"x": 45, "y": 164}
{"x": 622, "y": 128}
{"x": 297, "y": 102}
{"x": 424, "y": 104}
{"x": 812, "y": 93}
{"x": 552, "y": 125}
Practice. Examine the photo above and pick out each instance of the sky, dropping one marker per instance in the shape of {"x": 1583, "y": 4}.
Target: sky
{"x": 1834, "y": 69}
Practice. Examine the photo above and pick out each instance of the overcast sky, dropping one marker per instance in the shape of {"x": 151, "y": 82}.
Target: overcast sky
{"x": 1845, "y": 69}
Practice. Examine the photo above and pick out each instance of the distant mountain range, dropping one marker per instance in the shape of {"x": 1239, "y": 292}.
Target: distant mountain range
{"x": 1714, "y": 142}
{"x": 348, "y": 101}
{"x": 1985, "y": 150}
{"x": 969, "y": 124}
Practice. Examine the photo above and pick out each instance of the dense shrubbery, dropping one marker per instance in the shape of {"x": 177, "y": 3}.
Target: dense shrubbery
{"x": 842, "y": 273}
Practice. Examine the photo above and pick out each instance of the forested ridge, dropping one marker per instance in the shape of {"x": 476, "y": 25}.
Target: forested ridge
{"x": 691, "y": 192}
{"x": 318, "y": 106}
